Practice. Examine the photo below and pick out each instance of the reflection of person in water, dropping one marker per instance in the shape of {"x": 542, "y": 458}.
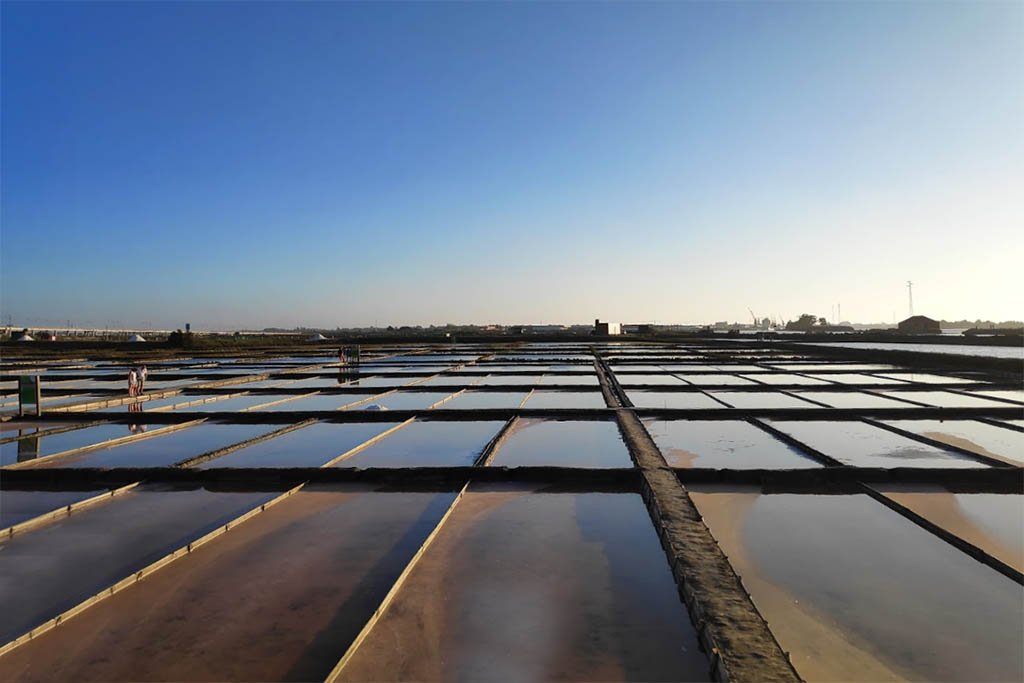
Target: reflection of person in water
{"x": 136, "y": 407}
{"x": 345, "y": 376}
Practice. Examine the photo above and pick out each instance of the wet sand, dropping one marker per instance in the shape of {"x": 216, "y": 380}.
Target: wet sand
{"x": 521, "y": 587}
{"x": 280, "y": 597}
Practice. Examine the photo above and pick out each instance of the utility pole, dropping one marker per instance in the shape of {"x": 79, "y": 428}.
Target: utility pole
{"x": 910, "y": 297}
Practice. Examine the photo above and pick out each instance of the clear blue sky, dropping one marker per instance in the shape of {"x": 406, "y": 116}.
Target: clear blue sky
{"x": 234, "y": 164}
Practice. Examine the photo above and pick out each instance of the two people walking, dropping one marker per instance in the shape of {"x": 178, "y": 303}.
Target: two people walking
{"x": 137, "y": 380}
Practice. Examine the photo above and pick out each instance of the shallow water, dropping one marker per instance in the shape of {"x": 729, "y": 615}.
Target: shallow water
{"x": 857, "y": 378}
{"x": 856, "y": 592}
{"x": 1005, "y": 444}
{"x": 861, "y": 445}
{"x": 563, "y": 443}
{"x": 953, "y": 349}
{"x": 428, "y": 444}
{"x": 55, "y": 567}
{"x": 714, "y": 379}
{"x": 945, "y": 399}
{"x": 531, "y": 587}
{"x": 33, "y": 447}
{"x": 486, "y": 399}
{"x": 20, "y": 506}
{"x": 783, "y": 378}
{"x": 851, "y": 399}
{"x": 165, "y": 449}
{"x": 729, "y": 444}
{"x": 760, "y": 399}
{"x": 309, "y": 446}
{"x": 413, "y": 400}
{"x": 566, "y": 399}
{"x": 629, "y": 380}
{"x": 676, "y": 399}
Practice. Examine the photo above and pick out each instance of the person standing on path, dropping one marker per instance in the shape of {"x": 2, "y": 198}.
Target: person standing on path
{"x": 133, "y": 382}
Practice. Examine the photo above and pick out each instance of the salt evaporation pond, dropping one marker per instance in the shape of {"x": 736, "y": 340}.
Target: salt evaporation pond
{"x": 309, "y": 446}
{"x": 722, "y": 444}
{"x": 563, "y": 443}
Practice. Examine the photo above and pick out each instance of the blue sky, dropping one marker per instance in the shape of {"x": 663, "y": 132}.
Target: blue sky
{"x": 235, "y": 164}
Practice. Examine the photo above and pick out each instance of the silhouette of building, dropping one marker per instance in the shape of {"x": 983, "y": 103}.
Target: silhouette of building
{"x": 605, "y": 329}
{"x": 919, "y": 324}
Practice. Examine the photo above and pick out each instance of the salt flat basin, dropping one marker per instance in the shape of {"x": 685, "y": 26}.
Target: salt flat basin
{"x": 499, "y": 380}
{"x": 855, "y": 592}
{"x": 992, "y": 522}
{"x": 425, "y": 443}
{"x": 784, "y": 378}
{"x": 31, "y": 447}
{"x": 18, "y": 506}
{"x": 1008, "y": 394}
{"x": 716, "y": 379}
{"x": 986, "y": 439}
{"x": 727, "y": 444}
{"x": 857, "y": 378}
{"x": 761, "y": 399}
{"x": 410, "y": 400}
{"x": 563, "y": 443}
{"x": 486, "y": 399}
{"x": 926, "y": 378}
{"x": 522, "y": 586}
{"x": 555, "y": 378}
{"x": 237, "y": 403}
{"x": 671, "y": 399}
{"x": 309, "y": 446}
{"x": 318, "y": 402}
{"x": 863, "y": 445}
{"x": 851, "y": 399}
{"x": 653, "y": 378}
{"x": 566, "y": 399}
{"x": 51, "y": 569}
{"x": 280, "y": 597}
{"x": 164, "y": 449}
{"x": 945, "y": 399}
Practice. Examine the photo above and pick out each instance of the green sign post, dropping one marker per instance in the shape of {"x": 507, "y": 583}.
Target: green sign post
{"x": 29, "y": 395}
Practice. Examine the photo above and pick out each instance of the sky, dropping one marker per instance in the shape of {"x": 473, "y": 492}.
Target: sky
{"x": 241, "y": 165}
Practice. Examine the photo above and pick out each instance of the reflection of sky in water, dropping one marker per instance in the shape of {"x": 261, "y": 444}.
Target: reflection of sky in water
{"x": 309, "y": 446}
{"x": 851, "y": 399}
{"x": 675, "y": 399}
{"x": 761, "y": 399}
{"x": 945, "y": 399}
{"x": 722, "y": 444}
{"x": 428, "y": 444}
{"x": 920, "y": 603}
{"x": 862, "y": 445}
{"x": 565, "y": 443}
{"x": 970, "y": 434}
{"x": 1001, "y": 515}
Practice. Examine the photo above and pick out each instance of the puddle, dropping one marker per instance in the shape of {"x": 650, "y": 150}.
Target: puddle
{"x": 978, "y": 437}
{"x": 856, "y": 592}
{"x": 851, "y": 399}
{"x": 685, "y": 400}
{"x": 722, "y": 444}
{"x": 486, "y": 399}
{"x": 566, "y": 399}
{"x": 428, "y": 444}
{"x": 861, "y": 445}
{"x": 20, "y": 506}
{"x": 563, "y": 443}
{"x": 53, "y": 568}
{"x": 34, "y": 447}
{"x": 753, "y": 400}
{"x": 310, "y": 446}
{"x": 165, "y": 449}
{"x": 534, "y": 587}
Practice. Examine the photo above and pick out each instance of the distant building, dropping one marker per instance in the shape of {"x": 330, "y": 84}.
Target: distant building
{"x": 919, "y": 324}
{"x": 606, "y": 329}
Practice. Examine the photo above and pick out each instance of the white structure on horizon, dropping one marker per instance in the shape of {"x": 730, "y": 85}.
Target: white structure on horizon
{"x": 605, "y": 329}
{"x": 136, "y": 338}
